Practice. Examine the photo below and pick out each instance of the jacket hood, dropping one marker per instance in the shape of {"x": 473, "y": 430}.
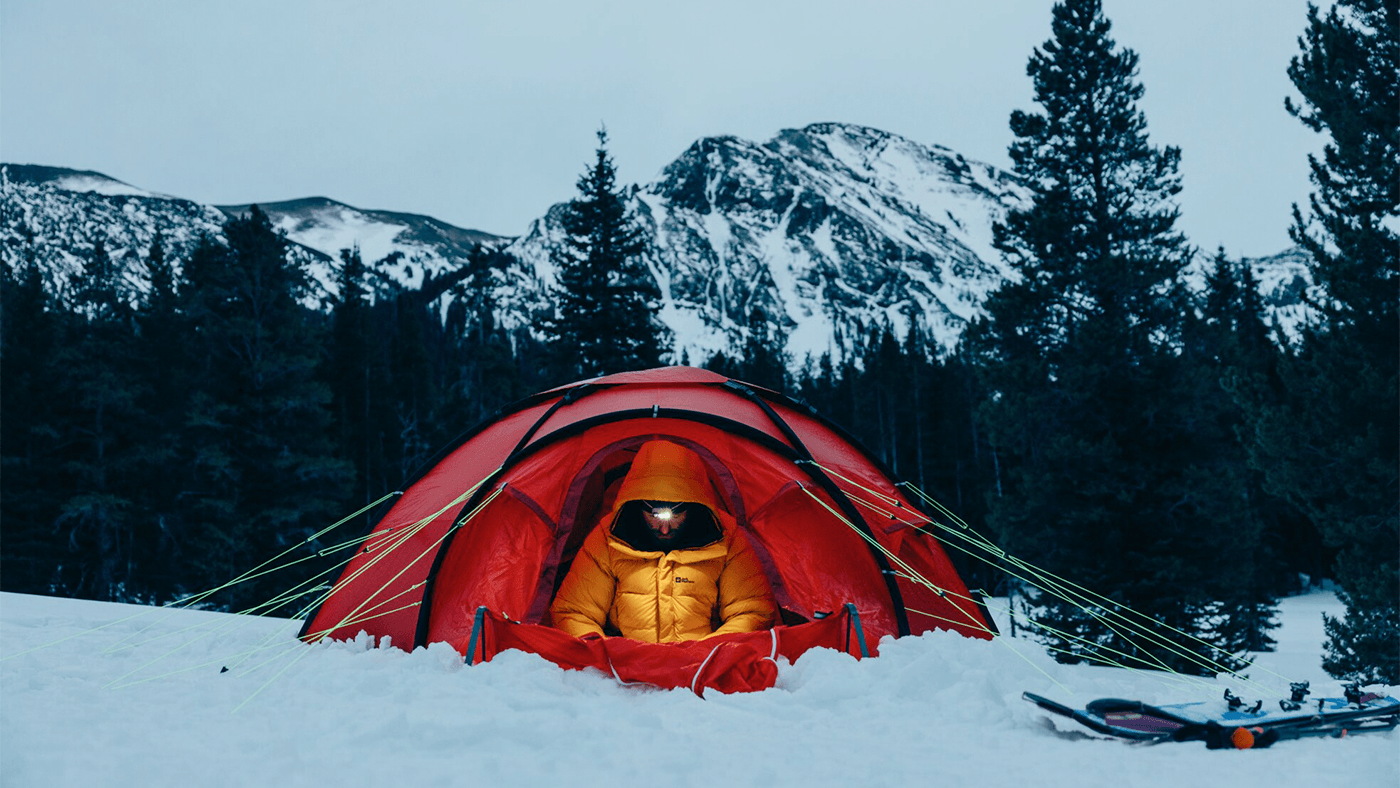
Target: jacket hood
{"x": 665, "y": 471}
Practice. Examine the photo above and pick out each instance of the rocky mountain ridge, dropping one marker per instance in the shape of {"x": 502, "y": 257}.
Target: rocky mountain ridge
{"x": 824, "y": 235}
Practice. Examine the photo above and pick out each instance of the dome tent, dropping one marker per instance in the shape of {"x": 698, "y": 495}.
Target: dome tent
{"x": 473, "y": 551}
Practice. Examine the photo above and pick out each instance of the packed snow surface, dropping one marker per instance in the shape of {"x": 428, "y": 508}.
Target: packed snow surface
{"x": 115, "y": 695}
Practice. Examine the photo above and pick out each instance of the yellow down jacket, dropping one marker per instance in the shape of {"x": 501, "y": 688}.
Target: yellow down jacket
{"x": 665, "y": 596}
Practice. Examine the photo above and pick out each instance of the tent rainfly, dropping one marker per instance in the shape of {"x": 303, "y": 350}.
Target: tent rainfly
{"x": 473, "y": 551}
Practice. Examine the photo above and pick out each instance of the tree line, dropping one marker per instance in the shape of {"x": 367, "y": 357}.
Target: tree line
{"x": 1101, "y": 421}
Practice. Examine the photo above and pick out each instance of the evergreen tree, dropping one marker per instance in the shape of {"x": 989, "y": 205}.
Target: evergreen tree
{"x": 1107, "y": 481}
{"x": 161, "y": 357}
{"x": 100, "y": 397}
{"x": 259, "y": 422}
{"x": 1229, "y": 342}
{"x": 349, "y": 374}
{"x": 884, "y": 387}
{"x": 415, "y": 388}
{"x": 489, "y": 376}
{"x": 32, "y": 329}
{"x": 604, "y": 321}
{"x": 1331, "y": 444}
{"x": 762, "y": 361}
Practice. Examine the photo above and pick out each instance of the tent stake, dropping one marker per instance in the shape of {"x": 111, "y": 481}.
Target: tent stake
{"x": 860, "y": 633}
{"x": 476, "y": 630}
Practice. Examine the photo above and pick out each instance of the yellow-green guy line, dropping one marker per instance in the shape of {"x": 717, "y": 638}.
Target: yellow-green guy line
{"x": 122, "y": 644}
{"x": 1110, "y": 606}
{"x": 294, "y": 645}
{"x": 982, "y": 542}
{"x": 1067, "y": 636}
{"x": 187, "y": 600}
{"x": 302, "y": 655}
{"x": 400, "y": 536}
{"x": 1137, "y": 629}
{"x": 1099, "y": 648}
{"x": 235, "y": 621}
{"x": 271, "y": 603}
{"x": 431, "y": 547}
{"x": 924, "y": 581}
{"x": 246, "y": 615}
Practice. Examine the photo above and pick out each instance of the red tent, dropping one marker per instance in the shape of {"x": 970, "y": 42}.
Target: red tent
{"x": 475, "y": 548}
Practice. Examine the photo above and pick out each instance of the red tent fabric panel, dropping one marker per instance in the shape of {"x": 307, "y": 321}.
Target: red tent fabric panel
{"x": 824, "y": 563}
{"x": 826, "y": 446}
{"x": 928, "y": 609}
{"x": 664, "y": 375}
{"x": 390, "y": 570}
{"x": 707, "y": 399}
{"x": 495, "y": 561}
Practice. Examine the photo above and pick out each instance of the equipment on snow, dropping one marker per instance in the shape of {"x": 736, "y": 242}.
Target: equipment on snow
{"x": 1230, "y": 725}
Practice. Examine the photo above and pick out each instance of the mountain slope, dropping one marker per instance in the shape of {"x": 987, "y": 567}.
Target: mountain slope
{"x": 830, "y": 233}
{"x": 426, "y": 247}
{"x": 66, "y": 211}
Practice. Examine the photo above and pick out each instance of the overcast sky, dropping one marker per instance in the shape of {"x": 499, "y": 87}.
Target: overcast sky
{"x": 482, "y": 114}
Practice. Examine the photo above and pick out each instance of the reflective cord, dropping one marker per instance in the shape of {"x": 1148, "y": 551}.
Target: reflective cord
{"x": 312, "y": 636}
{"x": 199, "y": 597}
{"x": 701, "y": 669}
{"x": 1057, "y": 588}
{"x": 896, "y": 559}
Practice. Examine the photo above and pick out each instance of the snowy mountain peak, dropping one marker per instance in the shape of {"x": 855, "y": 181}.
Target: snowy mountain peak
{"x": 77, "y": 181}
{"x": 831, "y": 233}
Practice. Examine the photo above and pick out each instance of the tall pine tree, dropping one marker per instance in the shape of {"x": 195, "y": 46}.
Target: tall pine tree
{"x": 259, "y": 428}
{"x": 100, "y": 397}
{"x": 605, "y": 321}
{"x": 1331, "y": 445}
{"x": 163, "y": 353}
{"x": 32, "y": 329}
{"x": 1106, "y": 481}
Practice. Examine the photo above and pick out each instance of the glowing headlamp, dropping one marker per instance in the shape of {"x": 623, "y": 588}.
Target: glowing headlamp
{"x": 662, "y": 512}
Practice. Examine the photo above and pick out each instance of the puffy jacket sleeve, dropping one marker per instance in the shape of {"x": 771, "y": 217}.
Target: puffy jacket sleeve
{"x": 745, "y": 600}
{"x": 584, "y": 599}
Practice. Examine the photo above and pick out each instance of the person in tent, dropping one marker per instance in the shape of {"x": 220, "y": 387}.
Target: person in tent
{"x": 666, "y": 564}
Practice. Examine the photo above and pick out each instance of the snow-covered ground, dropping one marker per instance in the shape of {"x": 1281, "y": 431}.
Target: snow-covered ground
{"x": 95, "y": 694}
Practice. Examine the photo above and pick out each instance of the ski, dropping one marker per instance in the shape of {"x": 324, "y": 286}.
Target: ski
{"x": 1233, "y": 723}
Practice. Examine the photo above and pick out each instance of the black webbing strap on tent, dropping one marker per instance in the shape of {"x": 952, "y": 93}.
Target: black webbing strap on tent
{"x": 572, "y": 395}
{"x": 847, "y": 508}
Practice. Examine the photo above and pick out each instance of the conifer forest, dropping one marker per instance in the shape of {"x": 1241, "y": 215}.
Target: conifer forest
{"x": 1166, "y": 448}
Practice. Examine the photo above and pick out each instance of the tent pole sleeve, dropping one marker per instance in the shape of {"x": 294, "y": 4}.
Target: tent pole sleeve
{"x": 569, "y": 397}
{"x": 477, "y": 625}
{"x": 860, "y": 631}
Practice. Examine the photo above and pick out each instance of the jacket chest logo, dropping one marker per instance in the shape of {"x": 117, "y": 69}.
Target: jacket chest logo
{"x": 685, "y": 580}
